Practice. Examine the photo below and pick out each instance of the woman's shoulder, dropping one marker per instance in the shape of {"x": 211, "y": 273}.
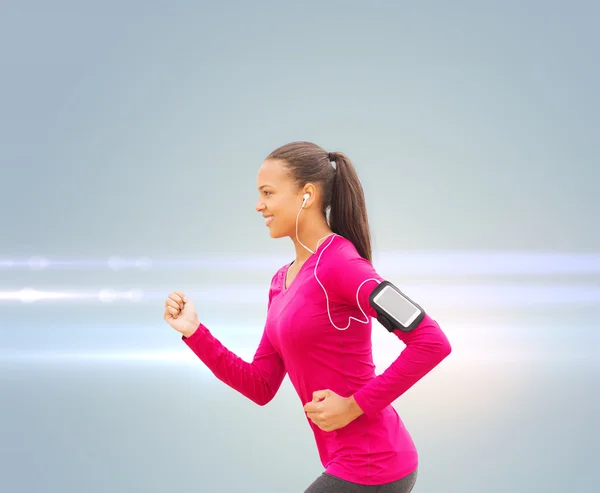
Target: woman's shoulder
{"x": 342, "y": 269}
{"x": 279, "y": 273}
{"x": 340, "y": 258}
{"x": 277, "y": 282}
{"x": 340, "y": 250}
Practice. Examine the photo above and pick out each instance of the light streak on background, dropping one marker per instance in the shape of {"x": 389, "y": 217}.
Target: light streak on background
{"x": 523, "y": 294}
{"x": 411, "y": 263}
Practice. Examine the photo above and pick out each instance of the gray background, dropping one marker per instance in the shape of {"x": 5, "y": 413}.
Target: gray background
{"x": 130, "y": 137}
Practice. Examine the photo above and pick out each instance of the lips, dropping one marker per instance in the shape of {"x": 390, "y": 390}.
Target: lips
{"x": 268, "y": 220}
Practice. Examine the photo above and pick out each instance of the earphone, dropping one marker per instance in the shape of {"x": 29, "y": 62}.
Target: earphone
{"x": 306, "y": 197}
{"x": 333, "y": 235}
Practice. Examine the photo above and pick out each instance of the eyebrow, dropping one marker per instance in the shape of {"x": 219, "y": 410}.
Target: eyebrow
{"x": 265, "y": 186}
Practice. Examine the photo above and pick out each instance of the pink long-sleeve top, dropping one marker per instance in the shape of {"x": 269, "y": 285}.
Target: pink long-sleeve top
{"x": 300, "y": 340}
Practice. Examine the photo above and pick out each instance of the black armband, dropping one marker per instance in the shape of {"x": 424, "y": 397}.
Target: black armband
{"x": 394, "y": 309}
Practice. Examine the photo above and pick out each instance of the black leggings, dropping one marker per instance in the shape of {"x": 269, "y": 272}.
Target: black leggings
{"x": 326, "y": 483}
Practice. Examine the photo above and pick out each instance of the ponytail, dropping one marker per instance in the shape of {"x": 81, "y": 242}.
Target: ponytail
{"x": 348, "y": 213}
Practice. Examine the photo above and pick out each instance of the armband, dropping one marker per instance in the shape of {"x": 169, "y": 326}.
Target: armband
{"x": 394, "y": 309}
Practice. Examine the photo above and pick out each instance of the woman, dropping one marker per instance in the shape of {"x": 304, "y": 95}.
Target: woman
{"x": 318, "y": 327}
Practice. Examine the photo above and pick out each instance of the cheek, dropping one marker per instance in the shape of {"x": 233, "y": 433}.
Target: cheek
{"x": 285, "y": 218}
{"x": 278, "y": 207}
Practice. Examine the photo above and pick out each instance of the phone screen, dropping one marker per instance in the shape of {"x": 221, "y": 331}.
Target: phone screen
{"x": 397, "y": 305}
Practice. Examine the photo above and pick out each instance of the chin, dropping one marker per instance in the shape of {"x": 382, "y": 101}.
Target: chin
{"x": 275, "y": 233}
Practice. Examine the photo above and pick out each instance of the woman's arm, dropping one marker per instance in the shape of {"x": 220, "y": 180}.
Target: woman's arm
{"x": 426, "y": 345}
{"x": 259, "y": 380}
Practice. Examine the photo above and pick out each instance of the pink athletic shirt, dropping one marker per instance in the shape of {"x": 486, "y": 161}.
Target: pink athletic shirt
{"x": 299, "y": 340}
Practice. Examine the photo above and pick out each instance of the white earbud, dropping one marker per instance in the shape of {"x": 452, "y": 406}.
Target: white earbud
{"x": 306, "y": 197}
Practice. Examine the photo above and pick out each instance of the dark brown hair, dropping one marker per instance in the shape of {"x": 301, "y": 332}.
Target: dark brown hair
{"x": 343, "y": 195}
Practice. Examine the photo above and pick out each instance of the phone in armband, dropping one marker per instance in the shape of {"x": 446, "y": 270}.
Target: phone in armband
{"x": 394, "y": 309}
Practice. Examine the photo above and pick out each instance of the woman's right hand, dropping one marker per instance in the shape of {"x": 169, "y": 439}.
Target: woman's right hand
{"x": 180, "y": 313}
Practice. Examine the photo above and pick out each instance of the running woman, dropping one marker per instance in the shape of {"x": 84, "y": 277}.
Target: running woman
{"x": 318, "y": 327}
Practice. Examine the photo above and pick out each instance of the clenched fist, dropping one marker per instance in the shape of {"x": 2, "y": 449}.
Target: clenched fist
{"x": 180, "y": 313}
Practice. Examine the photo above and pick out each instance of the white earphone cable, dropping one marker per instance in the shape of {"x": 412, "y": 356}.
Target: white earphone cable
{"x": 306, "y": 197}
{"x": 333, "y": 235}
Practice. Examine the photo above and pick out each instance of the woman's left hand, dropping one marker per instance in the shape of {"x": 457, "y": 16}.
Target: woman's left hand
{"x": 329, "y": 411}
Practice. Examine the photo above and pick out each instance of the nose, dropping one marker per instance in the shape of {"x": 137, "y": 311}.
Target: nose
{"x": 259, "y": 206}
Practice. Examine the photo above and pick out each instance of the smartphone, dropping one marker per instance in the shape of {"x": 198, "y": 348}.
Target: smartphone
{"x": 395, "y": 310}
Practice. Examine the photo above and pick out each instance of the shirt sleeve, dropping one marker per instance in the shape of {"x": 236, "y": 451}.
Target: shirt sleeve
{"x": 426, "y": 345}
{"x": 258, "y": 380}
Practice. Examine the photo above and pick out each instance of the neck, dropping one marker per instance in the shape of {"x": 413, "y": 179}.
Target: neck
{"x": 311, "y": 237}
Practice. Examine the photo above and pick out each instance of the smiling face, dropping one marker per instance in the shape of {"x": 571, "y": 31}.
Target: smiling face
{"x": 280, "y": 198}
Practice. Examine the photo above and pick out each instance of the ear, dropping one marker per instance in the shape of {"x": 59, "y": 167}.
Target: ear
{"x": 311, "y": 190}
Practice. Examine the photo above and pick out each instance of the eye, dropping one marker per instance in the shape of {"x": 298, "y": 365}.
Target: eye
{"x": 267, "y": 193}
